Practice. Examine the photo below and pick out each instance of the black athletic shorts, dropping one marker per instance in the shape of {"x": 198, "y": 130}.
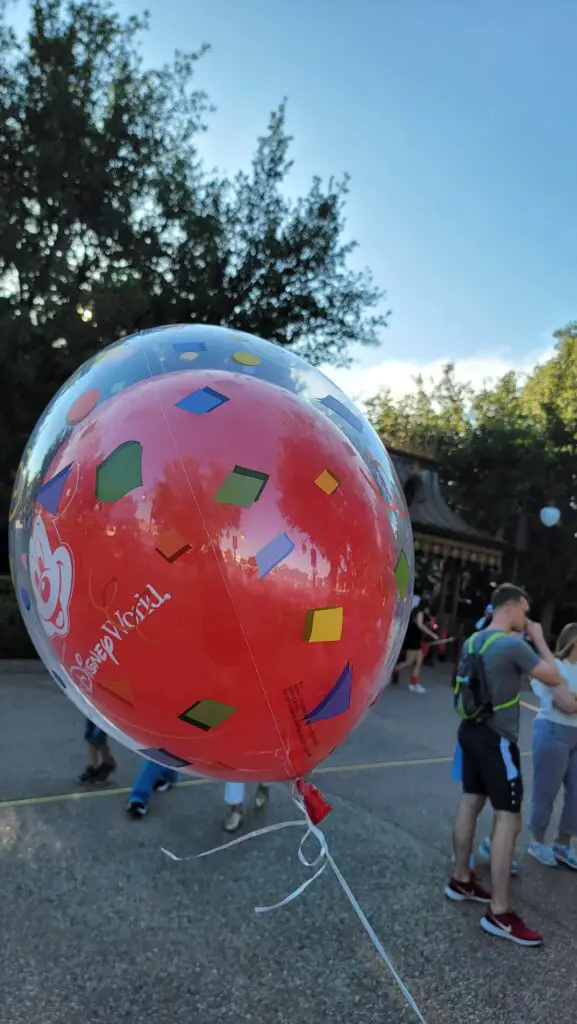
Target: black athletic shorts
{"x": 491, "y": 767}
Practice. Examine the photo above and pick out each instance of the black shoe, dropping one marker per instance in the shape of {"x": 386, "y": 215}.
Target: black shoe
{"x": 104, "y": 771}
{"x": 88, "y": 775}
{"x": 394, "y": 678}
{"x": 136, "y": 809}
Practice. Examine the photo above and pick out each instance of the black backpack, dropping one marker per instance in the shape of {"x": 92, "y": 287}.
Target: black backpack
{"x": 471, "y": 696}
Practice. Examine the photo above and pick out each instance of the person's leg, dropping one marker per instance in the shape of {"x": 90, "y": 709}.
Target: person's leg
{"x": 550, "y": 766}
{"x": 463, "y": 884}
{"x": 234, "y": 797}
{"x": 261, "y": 796}
{"x": 504, "y": 785}
{"x": 167, "y": 779}
{"x": 464, "y": 828}
{"x": 568, "y": 821}
{"x": 95, "y": 739}
{"x": 143, "y": 787}
{"x": 506, "y": 830}
{"x": 417, "y": 661}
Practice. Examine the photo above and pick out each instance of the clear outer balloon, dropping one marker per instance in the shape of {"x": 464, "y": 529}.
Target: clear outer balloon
{"x": 212, "y": 552}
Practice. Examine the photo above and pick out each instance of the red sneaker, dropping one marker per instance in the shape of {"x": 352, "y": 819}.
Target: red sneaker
{"x": 471, "y": 890}
{"x": 510, "y": 926}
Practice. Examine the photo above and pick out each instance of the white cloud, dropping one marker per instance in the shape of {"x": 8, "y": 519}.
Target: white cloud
{"x": 362, "y": 382}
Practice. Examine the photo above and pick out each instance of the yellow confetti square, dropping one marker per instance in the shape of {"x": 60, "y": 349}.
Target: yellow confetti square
{"x": 323, "y": 624}
{"x": 246, "y": 358}
{"x": 328, "y": 482}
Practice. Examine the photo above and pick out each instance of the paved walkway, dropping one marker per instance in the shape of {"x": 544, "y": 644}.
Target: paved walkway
{"x": 97, "y": 926}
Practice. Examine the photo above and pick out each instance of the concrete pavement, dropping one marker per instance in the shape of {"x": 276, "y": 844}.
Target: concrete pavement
{"x": 97, "y": 926}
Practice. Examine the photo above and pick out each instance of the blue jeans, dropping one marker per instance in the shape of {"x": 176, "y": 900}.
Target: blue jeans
{"x": 145, "y": 781}
{"x": 554, "y": 765}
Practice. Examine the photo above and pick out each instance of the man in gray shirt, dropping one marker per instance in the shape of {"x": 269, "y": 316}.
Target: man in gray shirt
{"x": 491, "y": 759}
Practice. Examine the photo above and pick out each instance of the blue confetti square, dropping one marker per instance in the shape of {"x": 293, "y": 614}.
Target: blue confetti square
{"x": 273, "y": 553}
{"x": 189, "y": 346}
{"x": 341, "y": 410}
{"x": 204, "y": 400}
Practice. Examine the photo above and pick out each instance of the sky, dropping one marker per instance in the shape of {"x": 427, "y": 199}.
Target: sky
{"x": 456, "y": 122}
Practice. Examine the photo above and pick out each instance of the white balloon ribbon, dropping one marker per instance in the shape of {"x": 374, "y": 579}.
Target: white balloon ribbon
{"x": 320, "y": 862}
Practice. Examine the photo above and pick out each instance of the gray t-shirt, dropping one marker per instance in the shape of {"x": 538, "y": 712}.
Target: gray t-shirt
{"x": 506, "y": 660}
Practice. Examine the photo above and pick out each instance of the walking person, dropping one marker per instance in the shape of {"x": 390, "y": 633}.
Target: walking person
{"x": 100, "y": 763}
{"x": 152, "y": 778}
{"x": 488, "y": 692}
{"x": 234, "y": 795}
{"x": 555, "y": 759}
{"x": 417, "y": 631}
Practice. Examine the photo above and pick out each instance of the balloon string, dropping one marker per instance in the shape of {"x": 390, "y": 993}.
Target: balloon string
{"x": 320, "y": 862}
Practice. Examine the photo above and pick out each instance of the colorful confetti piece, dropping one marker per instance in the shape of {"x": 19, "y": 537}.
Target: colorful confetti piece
{"x": 207, "y": 714}
{"x": 241, "y": 487}
{"x": 50, "y": 493}
{"x": 83, "y": 406}
{"x": 323, "y": 624}
{"x": 164, "y": 757}
{"x": 402, "y": 574}
{"x": 337, "y": 700}
{"x": 25, "y": 598}
{"x": 172, "y": 545}
{"x": 120, "y": 473}
{"x": 202, "y": 401}
{"x": 328, "y": 482}
{"x": 246, "y": 358}
{"x": 341, "y": 410}
{"x": 273, "y": 553}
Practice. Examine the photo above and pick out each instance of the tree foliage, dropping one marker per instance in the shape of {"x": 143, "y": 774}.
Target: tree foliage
{"x": 504, "y": 453}
{"x": 109, "y": 222}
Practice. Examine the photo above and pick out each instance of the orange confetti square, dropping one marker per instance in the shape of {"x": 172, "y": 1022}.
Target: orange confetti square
{"x": 172, "y": 545}
{"x": 328, "y": 482}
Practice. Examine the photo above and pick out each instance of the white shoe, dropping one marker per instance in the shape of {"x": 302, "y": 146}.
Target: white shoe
{"x": 233, "y": 820}
{"x": 261, "y": 798}
{"x": 416, "y": 688}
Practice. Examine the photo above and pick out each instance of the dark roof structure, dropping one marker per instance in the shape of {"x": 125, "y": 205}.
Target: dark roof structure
{"x": 437, "y": 529}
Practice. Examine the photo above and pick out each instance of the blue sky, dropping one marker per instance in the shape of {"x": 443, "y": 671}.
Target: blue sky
{"x": 456, "y": 122}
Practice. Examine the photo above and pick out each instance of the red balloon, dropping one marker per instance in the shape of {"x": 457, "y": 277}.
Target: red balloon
{"x": 215, "y": 570}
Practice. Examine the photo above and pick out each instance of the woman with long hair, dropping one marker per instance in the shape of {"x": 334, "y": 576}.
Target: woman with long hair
{"x": 555, "y": 759}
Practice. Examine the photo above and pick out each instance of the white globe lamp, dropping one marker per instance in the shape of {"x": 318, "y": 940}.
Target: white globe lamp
{"x": 549, "y": 515}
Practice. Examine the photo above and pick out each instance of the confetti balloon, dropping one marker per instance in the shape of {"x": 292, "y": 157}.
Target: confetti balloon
{"x": 212, "y": 553}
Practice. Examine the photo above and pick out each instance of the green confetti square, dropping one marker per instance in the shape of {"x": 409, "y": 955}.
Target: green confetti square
{"x": 402, "y": 574}
{"x": 120, "y": 472}
{"x": 241, "y": 487}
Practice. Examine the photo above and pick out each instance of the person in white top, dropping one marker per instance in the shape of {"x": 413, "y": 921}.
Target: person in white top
{"x": 555, "y": 759}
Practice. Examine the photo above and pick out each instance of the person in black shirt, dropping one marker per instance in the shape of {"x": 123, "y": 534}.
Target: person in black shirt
{"x": 417, "y": 630}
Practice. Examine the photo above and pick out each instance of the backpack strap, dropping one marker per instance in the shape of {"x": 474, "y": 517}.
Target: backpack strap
{"x": 497, "y": 635}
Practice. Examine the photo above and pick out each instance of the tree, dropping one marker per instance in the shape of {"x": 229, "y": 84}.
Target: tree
{"x": 504, "y": 452}
{"x": 110, "y": 224}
